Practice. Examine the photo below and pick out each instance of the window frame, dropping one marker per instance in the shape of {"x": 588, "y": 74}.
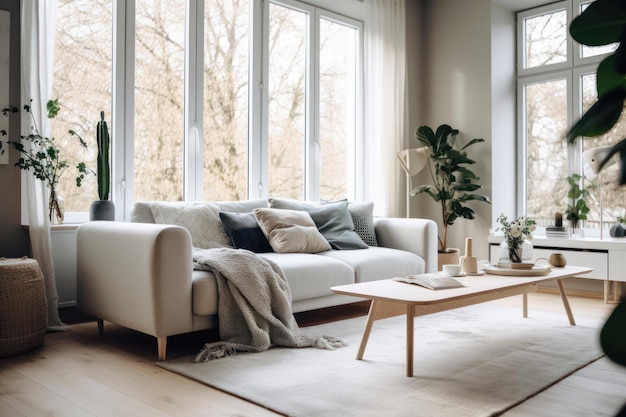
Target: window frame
{"x": 572, "y": 70}
{"x": 123, "y": 103}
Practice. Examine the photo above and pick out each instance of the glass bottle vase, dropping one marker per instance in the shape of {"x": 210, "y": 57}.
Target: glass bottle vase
{"x": 509, "y": 255}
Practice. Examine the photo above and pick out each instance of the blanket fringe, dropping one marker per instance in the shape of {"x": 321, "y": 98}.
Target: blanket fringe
{"x": 329, "y": 342}
{"x": 215, "y": 350}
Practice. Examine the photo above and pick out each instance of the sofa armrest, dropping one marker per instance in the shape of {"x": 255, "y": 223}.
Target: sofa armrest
{"x": 418, "y": 236}
{"x": 137, "y": 275}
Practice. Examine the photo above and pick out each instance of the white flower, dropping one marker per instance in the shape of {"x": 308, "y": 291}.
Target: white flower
{"x": 515, "y": 231}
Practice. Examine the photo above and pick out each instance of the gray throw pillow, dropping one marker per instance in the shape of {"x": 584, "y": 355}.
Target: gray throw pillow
{"x": 363, "y": 219}
{"x": 333, "y": 220}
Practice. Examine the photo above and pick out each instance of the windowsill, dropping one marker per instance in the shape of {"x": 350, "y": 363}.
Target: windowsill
{"x": 59, "y": 227}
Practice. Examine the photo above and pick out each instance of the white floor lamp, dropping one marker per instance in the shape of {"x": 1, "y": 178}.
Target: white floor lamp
{"x": 592, "y": 158}
{"x": 413, "y": 161}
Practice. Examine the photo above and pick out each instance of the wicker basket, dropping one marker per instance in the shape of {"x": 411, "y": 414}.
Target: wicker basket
{"x": 23, "y": 309}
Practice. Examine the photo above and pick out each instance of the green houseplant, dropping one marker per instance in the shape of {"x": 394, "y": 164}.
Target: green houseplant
{"x": 42, "y": 158}
{"x": 102, "y": 209}
{"x": 454, "y": 184}
{"x": 577, "y": 208}
{"x": 602, "y": 23}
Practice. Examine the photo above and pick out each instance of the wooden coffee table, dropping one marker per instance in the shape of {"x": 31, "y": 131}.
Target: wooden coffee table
{"x": 391, "y": 298}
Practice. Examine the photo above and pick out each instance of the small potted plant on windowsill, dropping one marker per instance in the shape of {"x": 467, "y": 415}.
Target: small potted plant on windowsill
{"x": 102, "y": 209}
{"x": 454, "y": 184}
{"x": 577, "y": 208}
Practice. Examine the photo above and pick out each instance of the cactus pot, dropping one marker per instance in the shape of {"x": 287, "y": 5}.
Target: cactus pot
{"x": 102, "y": 210}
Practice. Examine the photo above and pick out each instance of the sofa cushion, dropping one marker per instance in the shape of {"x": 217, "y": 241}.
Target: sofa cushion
{"x": 379, "y": 263}
{"x": 200, "y": 218}
{"x": 244, "y": 231}
{"x": 290, "y": 231}
{"x": 333, "y": 220}
{"x": 311, "y": 276}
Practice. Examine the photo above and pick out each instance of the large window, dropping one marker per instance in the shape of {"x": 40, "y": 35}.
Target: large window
{"x": 556, "y": 84}
{"x": 82, "y": 81}
{"x": 209, "y": 99}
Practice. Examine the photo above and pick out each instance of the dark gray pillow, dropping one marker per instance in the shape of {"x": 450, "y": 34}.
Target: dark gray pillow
{"x": 333, "y": 220}
{"x": 363, "y": 219}
{"x": 244, "y": 232}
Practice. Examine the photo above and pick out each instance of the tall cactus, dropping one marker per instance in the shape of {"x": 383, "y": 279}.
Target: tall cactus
{"x": 103, "y": 168}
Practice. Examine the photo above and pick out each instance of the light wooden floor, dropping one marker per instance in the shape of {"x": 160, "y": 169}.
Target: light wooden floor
{"x": 79, "y": 373}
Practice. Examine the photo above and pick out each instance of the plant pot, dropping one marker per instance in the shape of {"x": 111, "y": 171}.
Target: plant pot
{"x": 102, "y": 210}
{"x": 449, "y": 256}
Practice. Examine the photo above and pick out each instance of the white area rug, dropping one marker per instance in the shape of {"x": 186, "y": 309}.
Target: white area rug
{"x": 474, "y": 361}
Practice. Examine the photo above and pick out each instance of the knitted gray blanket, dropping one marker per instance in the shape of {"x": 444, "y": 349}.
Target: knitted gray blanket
{"x": 254, "y": 305}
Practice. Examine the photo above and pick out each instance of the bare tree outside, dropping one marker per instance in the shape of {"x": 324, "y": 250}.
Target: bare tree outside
{"x": 287, "y": 94}
{"x": 546, "y": 39}
{"x": 82, "y": 84}
{"x": 225, "y": 153}
{"x": 159, "y": 95}
{"x": 546, "y": 109}
{"x": 337, "y": 122}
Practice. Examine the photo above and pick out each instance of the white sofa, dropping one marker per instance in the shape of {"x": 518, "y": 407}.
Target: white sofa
{"x": 139, "y": 274}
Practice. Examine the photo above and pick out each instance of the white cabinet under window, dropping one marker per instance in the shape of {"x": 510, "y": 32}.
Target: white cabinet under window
{"x": 607, "y": 257}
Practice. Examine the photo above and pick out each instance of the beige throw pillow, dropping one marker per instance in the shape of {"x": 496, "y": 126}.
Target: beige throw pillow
{"x": 290, "y": 231}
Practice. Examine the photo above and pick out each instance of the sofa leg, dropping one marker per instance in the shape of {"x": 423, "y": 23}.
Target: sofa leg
{"x": 100, "y": 326}
{"x": 161, "y": 347}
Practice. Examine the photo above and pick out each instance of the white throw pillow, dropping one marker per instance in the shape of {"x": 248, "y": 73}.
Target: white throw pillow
{"x": 200, "y": 218}
{"x": 290, "y": 231}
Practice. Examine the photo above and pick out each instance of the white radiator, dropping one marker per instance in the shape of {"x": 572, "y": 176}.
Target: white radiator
{"x": 64, "y": 257}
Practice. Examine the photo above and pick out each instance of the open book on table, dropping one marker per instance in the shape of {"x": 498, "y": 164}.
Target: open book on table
{"x": 433, "y": 280}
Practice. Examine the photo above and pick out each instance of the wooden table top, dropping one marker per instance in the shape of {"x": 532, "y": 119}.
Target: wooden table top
{"x": 391, "y": 290}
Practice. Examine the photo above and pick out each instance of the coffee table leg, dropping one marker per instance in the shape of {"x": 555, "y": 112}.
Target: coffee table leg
{"x": 525, "y": 305}
{"x": 410, "y": 315}
{"x": 371, "y": 317}
{"x": 565, "y": 300}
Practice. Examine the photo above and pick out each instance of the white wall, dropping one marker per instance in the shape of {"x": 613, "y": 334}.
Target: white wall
{"x": 457, "y": 90}
{"x": 503, "y": 148}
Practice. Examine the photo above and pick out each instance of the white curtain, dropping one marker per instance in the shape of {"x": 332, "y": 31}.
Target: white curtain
{"x": 37, "y": 46}
{"x": 385, "y": 104}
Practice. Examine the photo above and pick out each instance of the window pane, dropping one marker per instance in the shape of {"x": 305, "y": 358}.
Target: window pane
{"x": 338, "y": 71}
{"x": 612, "y": 194}
{"x": 287, "y": 94}
{"x": 545, "y": 39}
{"x": 225, "y": 100}
{"x": 546, "y": 123}
{"x": 159, "y": 91}
{"x": 82, "y": 83}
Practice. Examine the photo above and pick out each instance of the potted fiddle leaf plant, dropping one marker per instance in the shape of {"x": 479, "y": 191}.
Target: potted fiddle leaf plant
{"x": 102, "y": 209}
{"x": 454, "y": 184}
